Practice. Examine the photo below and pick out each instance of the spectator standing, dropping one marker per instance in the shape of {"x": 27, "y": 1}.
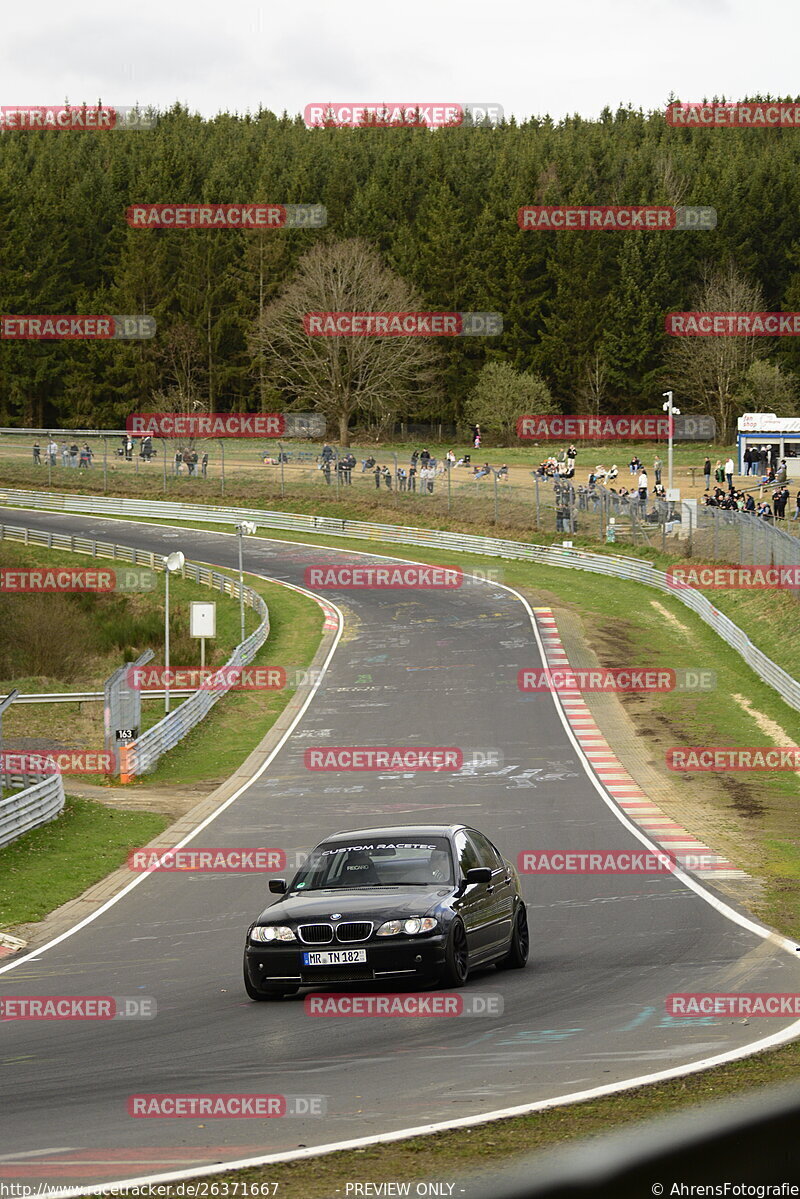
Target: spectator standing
{"x": 178, "y": 461}
{"x": 52, "y": 451}
{"x": 193, "y": 463}
{"x": 657, "y": 467}
{"x": 729, "y": 469}
{"x": 64, "y": 454}
{"x": 73, "y": 454}
{"x": 450, "y": 459}
{"x": 748, "y": 461}
{"x": 572, "y": 453}
{"x": 147, "y": 448}
{"x": 412, "y": 477}
{"x": 387, "y": 477}
{"x": 719, "y": 472}
{"x": 707, "y": 473}
{"x": 204, "y": 464}
{"x": 402, "y": 478}
{"x": 642, "y": 485}
{"x": 377, "y": 475}
{"x": 86, "y": 457}
{"x": 37, "y": 454}
{"x": 797, "y": 507}
{"x": 781, "y": 499}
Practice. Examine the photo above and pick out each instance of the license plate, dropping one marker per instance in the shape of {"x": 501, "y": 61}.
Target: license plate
{"x": 334, "y": 957}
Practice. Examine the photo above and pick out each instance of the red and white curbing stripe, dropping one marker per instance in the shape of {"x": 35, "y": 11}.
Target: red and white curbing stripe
{"x": 625, "y": 792}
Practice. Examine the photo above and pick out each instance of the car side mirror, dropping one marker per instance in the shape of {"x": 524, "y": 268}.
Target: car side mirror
{"x": 278, "y": 885}
{"x": 479, "y": 874}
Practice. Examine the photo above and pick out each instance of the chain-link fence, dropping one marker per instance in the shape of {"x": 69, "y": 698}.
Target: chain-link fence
{"x": 473, "y": 489}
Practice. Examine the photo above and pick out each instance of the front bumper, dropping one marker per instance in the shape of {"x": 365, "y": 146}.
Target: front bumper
{"x": 409, "y": 958}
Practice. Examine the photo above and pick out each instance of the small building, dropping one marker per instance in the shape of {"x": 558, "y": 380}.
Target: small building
{"x": 777, "y": 438}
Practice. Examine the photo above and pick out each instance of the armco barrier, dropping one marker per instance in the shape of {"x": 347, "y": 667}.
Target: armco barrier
{"x": 141, "y": 755}
{"x": 24, "y": 810}
{"x": 633, "y": 569}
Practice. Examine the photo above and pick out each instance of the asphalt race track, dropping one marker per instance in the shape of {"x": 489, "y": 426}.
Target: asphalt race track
{"x": 423, "y": 668}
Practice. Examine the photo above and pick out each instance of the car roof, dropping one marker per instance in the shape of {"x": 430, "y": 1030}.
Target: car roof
{"x": 402, "y": 830}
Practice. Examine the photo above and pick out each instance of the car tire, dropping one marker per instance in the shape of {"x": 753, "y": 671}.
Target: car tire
{"x": 456, "y": 957}
{"x": 274, "y": 992}
{"x": 517, "y": 955}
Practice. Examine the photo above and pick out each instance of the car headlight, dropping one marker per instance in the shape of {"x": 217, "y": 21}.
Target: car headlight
{"x": 412, "y": 926}
{"x": 272, "y": 932}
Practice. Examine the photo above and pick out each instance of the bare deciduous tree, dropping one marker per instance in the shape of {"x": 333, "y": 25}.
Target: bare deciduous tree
{"x": 710, "y": 371}
{"x": 376, "y": 377}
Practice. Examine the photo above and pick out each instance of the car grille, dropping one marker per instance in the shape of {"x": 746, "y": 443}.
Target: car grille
{"x": 315, "y": 934}
{"x": 356, "y": 930}
{"x": 344, "y": 974}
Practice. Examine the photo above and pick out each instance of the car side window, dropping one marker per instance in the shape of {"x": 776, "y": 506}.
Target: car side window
{"x": 486, "y": 852}
{"x": 467, "y": 854}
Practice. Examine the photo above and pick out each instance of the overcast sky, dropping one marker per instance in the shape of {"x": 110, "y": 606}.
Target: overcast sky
{"x": 528, "y": 56}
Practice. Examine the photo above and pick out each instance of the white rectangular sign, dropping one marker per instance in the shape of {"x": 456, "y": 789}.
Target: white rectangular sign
{"x": 202, "y": 619}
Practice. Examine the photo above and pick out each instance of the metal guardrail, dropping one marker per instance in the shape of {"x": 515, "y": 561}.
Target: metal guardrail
{"x": 141, "y": 755}
{"x": 23, "y": 810}
{"x": 87, "y": 697}
{"x": 637, "y": 571}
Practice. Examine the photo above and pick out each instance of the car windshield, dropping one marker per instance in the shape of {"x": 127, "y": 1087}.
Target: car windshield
{"x": 376, "y": 863}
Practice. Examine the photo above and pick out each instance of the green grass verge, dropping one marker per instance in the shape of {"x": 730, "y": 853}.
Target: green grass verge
{"x": 239, "y": 721}
{"x": 54, "y": 863}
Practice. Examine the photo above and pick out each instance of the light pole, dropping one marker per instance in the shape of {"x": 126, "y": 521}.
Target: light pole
{"x": 172, "y": 562}
{"x": 245, "y": 529}
{"x": 671, "y": 411}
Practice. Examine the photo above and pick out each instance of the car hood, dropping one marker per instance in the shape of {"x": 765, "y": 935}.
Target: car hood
{"x": 383, "y": 903}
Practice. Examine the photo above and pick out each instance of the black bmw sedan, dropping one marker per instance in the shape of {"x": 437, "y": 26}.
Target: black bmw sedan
{"x": 420, "y": 902}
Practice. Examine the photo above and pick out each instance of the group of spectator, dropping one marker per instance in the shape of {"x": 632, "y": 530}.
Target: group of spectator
{"x": 743, "y": 501}
{"x": 190, "y": 459}
{"x": 145, "y": 449}
{"x": 71, "y": 454}
{"x": 561, "y": 465}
